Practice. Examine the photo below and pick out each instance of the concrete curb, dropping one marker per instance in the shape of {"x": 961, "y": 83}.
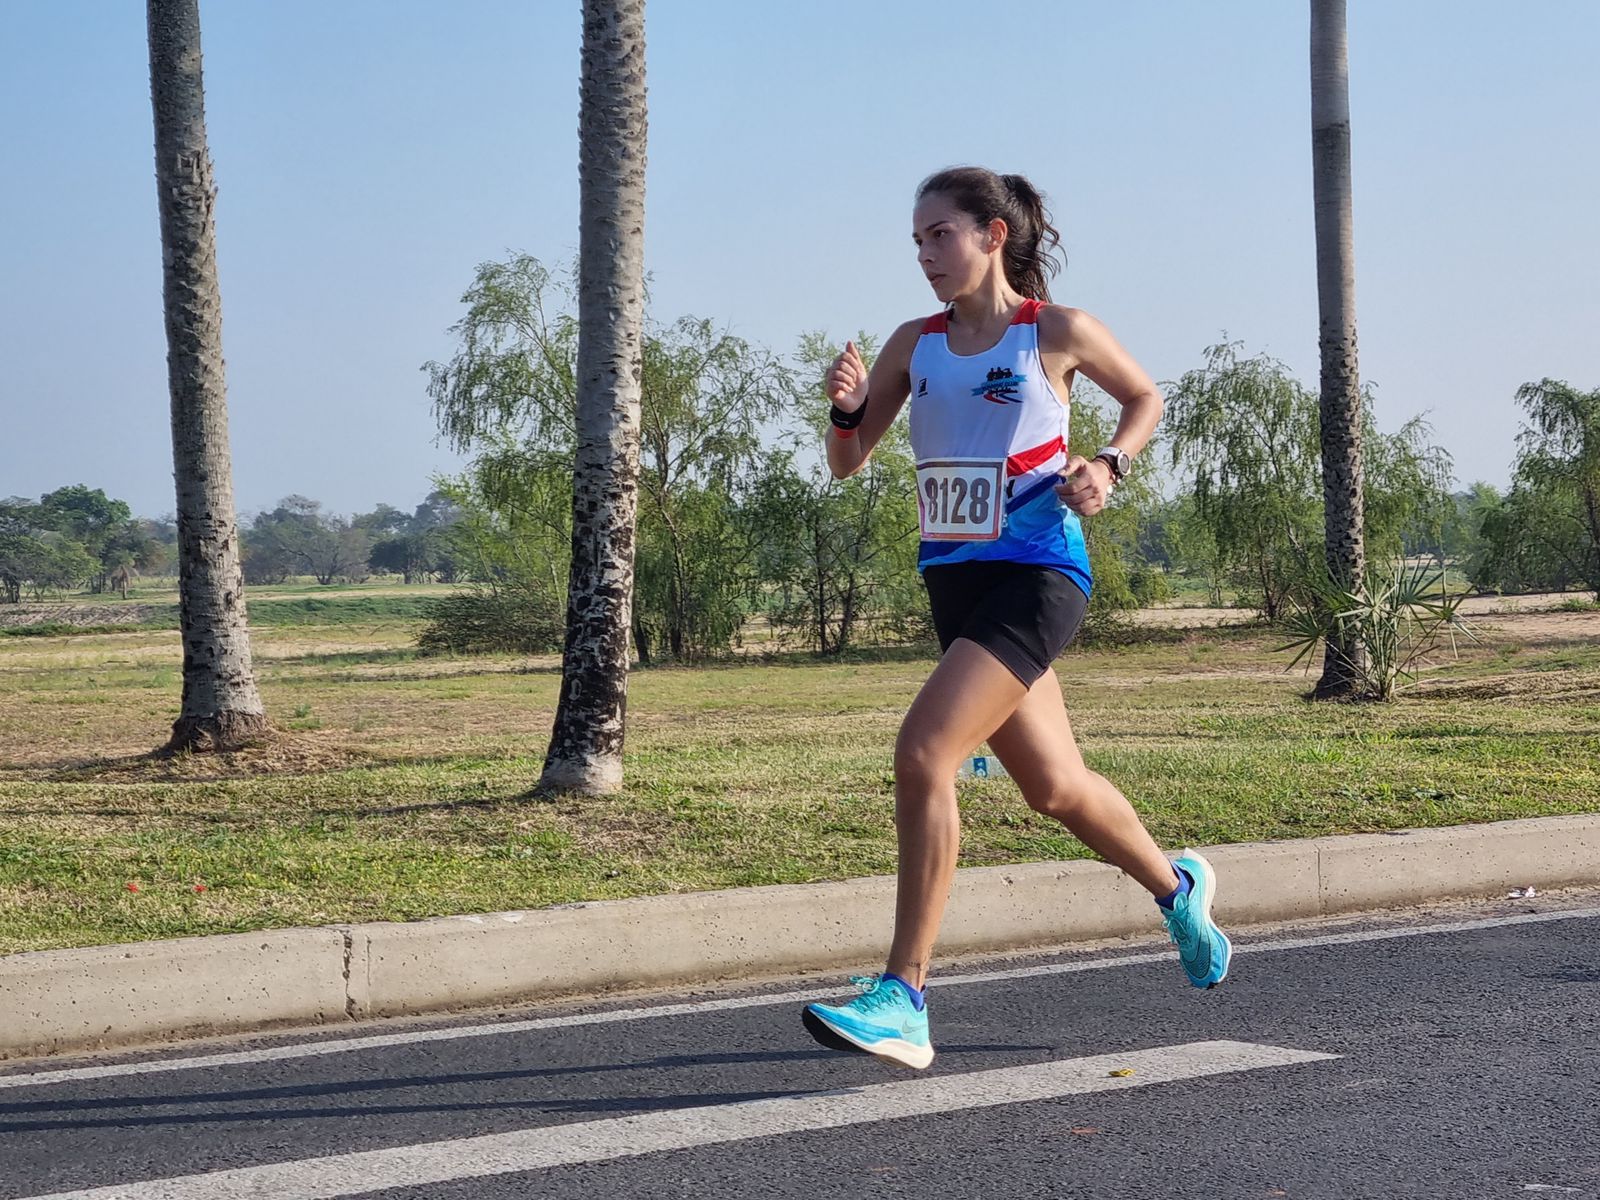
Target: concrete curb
{"x": 57, "y": 1000}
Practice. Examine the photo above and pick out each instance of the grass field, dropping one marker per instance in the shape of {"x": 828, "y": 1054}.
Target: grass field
{"x": 399, "y": 788}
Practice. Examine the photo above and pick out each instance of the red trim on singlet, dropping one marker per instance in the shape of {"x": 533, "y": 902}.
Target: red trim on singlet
{"x": 1027, "y": 314}
{"x": 1026, "y": 460}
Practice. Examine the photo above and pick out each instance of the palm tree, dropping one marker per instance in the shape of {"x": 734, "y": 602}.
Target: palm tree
{"x": 221, "y": 707}
{"x": 586, "y": 746}
{"x": 1336, "y": 305}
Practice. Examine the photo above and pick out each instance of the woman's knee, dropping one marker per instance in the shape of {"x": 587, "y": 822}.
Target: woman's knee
{"x": 1062, "y": 796}
{"x": 922, "y": 762}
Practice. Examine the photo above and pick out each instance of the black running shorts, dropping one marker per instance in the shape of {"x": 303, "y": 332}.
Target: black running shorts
{"x": 1024, "y": 615}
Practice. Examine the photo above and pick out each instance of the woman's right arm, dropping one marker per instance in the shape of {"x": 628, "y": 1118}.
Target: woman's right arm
{"x": 848, "y": 385}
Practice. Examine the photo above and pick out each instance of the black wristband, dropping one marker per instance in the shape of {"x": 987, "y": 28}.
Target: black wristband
{"x": 844, "y": 420}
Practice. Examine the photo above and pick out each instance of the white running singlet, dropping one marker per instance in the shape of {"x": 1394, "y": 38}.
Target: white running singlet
{"x": 989, "y": 435}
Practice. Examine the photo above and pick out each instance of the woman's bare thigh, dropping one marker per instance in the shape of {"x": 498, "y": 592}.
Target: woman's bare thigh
{"x": 1036, "y": 743}
{"x": 968, "y": 696}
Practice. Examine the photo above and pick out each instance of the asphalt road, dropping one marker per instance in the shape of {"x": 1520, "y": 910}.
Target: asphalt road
{"x": 1451, "y": 1053}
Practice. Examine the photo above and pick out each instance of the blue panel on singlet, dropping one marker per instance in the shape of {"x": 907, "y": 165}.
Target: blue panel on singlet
{"x": 1039, "y": 530}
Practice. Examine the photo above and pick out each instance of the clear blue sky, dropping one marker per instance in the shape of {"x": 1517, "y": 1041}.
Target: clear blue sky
{"x": 370, "y": 152}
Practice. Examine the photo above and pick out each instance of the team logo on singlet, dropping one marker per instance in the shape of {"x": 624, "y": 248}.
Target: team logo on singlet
{"x": 922, "y": 388}
{"x": 1001, "y": 386}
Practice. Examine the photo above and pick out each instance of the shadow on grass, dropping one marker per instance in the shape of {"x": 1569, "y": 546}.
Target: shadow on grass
{"x": 282, "y": 754}
{"x": 540, "y": 793}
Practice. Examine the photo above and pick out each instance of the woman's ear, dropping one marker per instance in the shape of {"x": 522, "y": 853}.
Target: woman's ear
{"x": 998, "y": 232}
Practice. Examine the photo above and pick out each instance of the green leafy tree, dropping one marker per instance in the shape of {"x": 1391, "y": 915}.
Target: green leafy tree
{"x": 837, "y": 557}
{"x": 298, "y": 538}
{"x": 383, "y": 521}
{"x": 1523, "y": 546}
{"x": 275, "y": 542}
{"x": 1455, "y": 538}
{"x": 1112, "y": 535}
{"x": 1463, "y": 542}
{"x": 393, "y": 548}
{"x": 1190, "y": 545}
{"x": 1546, "y": 531}
{"x": 19, "y": 560}
{"x": 1408, "y": 504}
{"x": 437, "y": 511}
{"x": 437, "y": 519}
{"x": 21, "y": 548}
{"x": 510, "y": 537}
{"x": 159, "y": 552}
{"x": 706, "y": 398}
{"x": 413, "y": 556}
{"x": 102, "y": 526}
{"x": 38, "y": 550}
{"x": 1245, "y": 432}
{"x": 416, "y": 545}
{"x": 62, "y": 566}
{"x": 1241, "y": 429}
{"x": 509, "y": 396}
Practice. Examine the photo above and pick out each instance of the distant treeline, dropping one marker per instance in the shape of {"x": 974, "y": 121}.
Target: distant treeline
{"x": 738, "y": 517}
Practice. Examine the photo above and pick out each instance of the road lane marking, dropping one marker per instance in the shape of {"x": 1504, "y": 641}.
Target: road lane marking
{"x": 681, "y": 1129}
{"x": 725, "y": 1004}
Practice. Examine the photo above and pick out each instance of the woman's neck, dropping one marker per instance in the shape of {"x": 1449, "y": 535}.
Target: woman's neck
{"x": 992, "y": 303}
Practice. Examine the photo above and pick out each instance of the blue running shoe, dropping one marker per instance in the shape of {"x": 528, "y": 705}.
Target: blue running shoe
{"x": 882, "y": 1020}
{"x": 1203, "y": 949}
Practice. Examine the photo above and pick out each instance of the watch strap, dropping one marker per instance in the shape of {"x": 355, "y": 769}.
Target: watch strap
{"x": 1113, "y": 458}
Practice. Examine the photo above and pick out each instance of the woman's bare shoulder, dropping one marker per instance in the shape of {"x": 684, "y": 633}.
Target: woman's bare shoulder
{"x": 1071, "y": 331}
{"x": 1067, "y": 322}
{"x": 911, "y": 329}
{"x": 903, "y": 340}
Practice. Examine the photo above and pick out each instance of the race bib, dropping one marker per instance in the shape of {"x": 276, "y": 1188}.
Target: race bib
{"x": 959, "y": 499}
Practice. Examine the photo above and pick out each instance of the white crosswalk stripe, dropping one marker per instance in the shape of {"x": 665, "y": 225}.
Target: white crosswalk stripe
{"x": 650, "y": 1133}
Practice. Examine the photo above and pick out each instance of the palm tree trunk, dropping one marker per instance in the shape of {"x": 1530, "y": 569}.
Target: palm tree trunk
{"x": 1336, "y": 305}
{"x": 221, "y": 707}
{"x": 585, "y": 752}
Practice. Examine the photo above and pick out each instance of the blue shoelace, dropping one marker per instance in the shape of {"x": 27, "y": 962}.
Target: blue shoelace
{"x": 873, "y": 993}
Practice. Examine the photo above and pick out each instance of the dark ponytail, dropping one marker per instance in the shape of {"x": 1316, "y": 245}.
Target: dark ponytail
{"x": 1032, "y": 252}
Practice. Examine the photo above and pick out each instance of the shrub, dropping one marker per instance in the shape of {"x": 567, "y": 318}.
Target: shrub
{"x": 488, "y": 620}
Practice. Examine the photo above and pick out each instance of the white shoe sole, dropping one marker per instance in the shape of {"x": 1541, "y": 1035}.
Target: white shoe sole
{"x": 892, "y": 1050}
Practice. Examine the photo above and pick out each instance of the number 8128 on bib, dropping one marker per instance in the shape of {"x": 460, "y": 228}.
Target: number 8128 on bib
{"x": 959, "y": 499}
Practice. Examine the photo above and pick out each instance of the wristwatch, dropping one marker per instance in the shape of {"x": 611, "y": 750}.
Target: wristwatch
{"x": 1117, "y": 461}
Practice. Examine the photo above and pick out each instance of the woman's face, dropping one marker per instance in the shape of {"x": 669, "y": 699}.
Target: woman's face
{"x": 953, "y": 250}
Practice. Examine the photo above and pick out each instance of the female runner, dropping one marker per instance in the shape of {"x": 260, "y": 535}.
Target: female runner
{"x": 1006, "y": 570}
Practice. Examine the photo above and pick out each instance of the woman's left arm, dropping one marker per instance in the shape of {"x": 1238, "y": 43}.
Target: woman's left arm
{"x": 1077, "y": 341}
